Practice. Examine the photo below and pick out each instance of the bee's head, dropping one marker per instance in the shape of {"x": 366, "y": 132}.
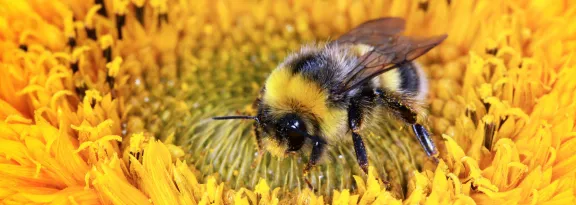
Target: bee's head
{"x": 290, "y": 130}
{"x": 279, "y": 135}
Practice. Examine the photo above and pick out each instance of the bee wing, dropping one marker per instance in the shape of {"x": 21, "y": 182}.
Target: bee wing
{"x": 389, "y": 49}
{"x": 387, "y": 26}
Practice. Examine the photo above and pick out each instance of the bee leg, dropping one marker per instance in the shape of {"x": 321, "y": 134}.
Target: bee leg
{"x": 258, "y": 138}
{"x": 260, "y": 148}
{"x": 255, "y": 105}
{"x": 409, "y": 116}
{"x": 317, "y": 149}
{"x": 309, "y": 184}
{"x": 354, "y": 122}
{"x": 425, "y": 141}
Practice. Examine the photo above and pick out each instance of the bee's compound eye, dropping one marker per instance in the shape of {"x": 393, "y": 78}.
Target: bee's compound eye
{"x": 292, "y": 129}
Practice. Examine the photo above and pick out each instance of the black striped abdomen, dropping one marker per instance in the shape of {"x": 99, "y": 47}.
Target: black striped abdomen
{"x": 408, "y": 79}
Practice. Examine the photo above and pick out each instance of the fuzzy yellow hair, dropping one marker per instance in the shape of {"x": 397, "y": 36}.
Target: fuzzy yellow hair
{"x": 288, "y": 92}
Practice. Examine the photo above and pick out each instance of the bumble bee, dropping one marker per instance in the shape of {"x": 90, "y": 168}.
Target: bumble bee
{"x": 323, "y": 94}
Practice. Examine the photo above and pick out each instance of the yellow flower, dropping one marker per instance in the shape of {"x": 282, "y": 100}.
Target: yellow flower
{"x": 107, "y": 102}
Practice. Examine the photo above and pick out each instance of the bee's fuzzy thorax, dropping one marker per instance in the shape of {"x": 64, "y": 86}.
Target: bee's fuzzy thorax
{"x": 332, "y": 63}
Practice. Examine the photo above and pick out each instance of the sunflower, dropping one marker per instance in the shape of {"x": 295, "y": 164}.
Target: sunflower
{"x": 108, "y": 102}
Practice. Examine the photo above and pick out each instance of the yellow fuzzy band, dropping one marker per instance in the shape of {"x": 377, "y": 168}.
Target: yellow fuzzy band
{"x": 274, "y": 147}
{"x": 287, "y": 92}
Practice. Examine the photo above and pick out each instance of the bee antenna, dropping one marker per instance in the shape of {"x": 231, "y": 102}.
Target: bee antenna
{"x": 237, "y": 117}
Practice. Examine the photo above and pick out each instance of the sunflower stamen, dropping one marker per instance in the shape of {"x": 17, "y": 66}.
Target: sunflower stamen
{"x": 23, "y": 47}
{"x": 162, "y": 17}
{"x": 120, "y": 22}
{"x": 71, "y": 42}
{"x": 423, "y": 5}
{"x": 489, "y": 129}
{"x": 91, "y": 33}
{"x": 139, "y": 10}
{"x": 471, "y": 113}
{"x": 102, "y": 11}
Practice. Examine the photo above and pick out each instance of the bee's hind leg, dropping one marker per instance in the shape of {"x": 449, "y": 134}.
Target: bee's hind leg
{"x": 355, "y": 122}
{"x": 409, "y": 116}
{"x": 425, "y": 141}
